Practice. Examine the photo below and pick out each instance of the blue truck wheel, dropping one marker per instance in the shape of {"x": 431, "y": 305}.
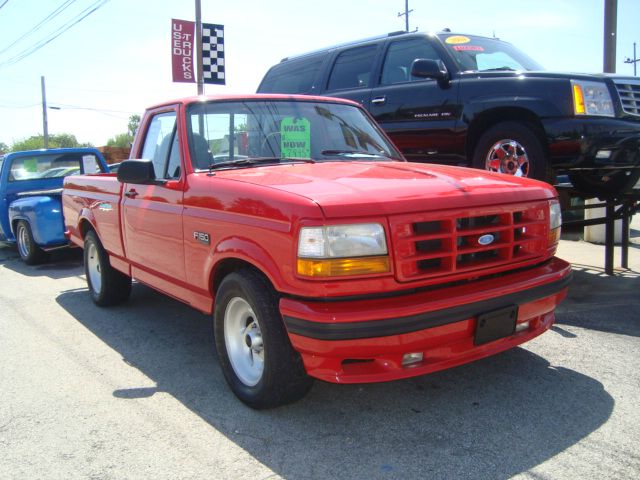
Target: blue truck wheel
{"x": 28, "y": 249}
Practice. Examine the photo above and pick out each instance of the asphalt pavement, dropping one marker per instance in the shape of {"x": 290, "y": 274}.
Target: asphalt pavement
{"x": 136, "y": 392}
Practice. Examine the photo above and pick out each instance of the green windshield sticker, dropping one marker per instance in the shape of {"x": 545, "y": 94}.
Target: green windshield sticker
{"x": 295, "y": 137}
{"x": 31, "y": 165}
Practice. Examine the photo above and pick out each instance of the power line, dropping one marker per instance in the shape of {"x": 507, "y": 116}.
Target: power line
{"x": 78, "y": 107}
{"x": 4, "y": 3}
{"x": 34, "y": 48}
{"x": 43, "y": 22}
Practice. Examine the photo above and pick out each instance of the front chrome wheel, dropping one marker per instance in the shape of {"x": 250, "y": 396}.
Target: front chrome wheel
{"x": 508, "y": 156}
{"x": 243, "y": 340}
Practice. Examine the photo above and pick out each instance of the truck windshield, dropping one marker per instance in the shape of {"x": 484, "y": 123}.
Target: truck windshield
{"x": 30, "y": 167}
{"x": 483, "y": 54}
{"x": 262, "y": 132}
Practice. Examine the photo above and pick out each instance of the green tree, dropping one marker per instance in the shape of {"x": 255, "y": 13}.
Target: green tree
{"x": 60, "y": 140}
{"x": 4, "y": 148}
{"x": 134, "y": 123}
{"x": 124, "y": 140}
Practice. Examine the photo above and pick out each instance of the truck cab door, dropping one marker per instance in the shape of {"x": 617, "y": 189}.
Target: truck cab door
{"x": 419, "y": 114}
{"x": 152, "y": 214}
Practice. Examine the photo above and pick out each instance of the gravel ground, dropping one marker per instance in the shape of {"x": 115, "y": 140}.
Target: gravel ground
{"x": 136, "y": 392}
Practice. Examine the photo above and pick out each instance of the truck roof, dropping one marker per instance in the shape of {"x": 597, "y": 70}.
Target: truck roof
{"x": 47, "y": 151}
{"x": 251, "y": 97}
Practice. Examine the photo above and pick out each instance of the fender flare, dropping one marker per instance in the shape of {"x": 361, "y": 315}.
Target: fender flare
{"x": 247, "y": 251}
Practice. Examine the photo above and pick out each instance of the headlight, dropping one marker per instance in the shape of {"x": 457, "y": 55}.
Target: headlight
{"x": 338, "y": 250}
{"x": 591, "y": 98}
{"x": 555, "y": 222}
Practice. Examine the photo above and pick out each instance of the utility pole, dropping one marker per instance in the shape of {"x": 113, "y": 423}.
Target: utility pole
{"x": 45, "y": 127}
{"x": 634, "y": 61}
{"x": 199, "y": 77}
{"x": 406, "y": 15}
{"x": 610, "y": 33}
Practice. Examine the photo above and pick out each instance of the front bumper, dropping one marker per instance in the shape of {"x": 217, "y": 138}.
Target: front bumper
{"x": 593, "y": 143}
{"x": 358, "y": 341}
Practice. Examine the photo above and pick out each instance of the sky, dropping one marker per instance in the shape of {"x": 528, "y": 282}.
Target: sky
{"x": 116, "y": 61}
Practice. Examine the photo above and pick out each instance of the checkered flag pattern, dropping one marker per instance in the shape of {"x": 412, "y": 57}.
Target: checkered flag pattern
{"x": 213, "y": 54}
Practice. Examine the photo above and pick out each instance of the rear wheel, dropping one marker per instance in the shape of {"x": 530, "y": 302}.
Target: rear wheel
{"x": 257, "y": 359}
{"x": 514, "y": 149}
{"x": 107, "y": 285}
{"x": 28, "y": 249}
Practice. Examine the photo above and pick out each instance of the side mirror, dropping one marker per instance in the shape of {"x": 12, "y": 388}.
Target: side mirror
{"x": 424, "y": 68}
{"x": 137, "y": 171}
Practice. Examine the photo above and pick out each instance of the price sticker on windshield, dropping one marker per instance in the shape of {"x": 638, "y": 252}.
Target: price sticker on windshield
{"x": 457, "y": 39}
{"x": 295, "y": 137}
{"x": 31, "y": 165}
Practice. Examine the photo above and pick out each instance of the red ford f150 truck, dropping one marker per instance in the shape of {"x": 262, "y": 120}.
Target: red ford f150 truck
{"x": 319, "y": 251}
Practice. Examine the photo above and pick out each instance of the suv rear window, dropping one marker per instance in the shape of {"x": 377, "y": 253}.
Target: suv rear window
{"x": 352, "y": 68}
{"x": 292, "y": 77}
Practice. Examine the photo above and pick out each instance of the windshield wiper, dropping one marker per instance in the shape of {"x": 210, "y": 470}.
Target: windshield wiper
{"x": 358, "y": 153}
{"x": 243, "y": 162}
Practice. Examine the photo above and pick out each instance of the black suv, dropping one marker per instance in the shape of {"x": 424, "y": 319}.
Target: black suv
{"x": 477, "y": 101}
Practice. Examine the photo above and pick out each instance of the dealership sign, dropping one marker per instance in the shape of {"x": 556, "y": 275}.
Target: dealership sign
{"x": 182, "y": 44}
{"x": 183, "y": 48}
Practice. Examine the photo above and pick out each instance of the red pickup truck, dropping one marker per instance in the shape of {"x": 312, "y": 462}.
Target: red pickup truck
{"x": 319, "y": 251}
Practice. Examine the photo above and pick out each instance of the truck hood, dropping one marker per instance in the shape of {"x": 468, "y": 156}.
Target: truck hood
{"x": 387, "y": 188}
{"x": 547, "y": 74}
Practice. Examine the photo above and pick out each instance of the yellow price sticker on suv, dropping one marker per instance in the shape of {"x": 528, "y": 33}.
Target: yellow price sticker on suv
{"x": 295, "y": 137}
{"x": 457, "y": 39}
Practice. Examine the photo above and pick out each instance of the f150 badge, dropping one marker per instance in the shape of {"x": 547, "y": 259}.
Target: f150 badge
{"x": 202, "y": 237}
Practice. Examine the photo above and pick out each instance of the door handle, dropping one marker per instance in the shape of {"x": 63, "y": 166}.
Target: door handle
{"x": 131, "y": 193}
{"x": 379, "y": 100}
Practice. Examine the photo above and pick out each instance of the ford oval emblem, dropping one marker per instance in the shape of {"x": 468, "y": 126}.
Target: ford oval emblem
{"x": 486, "y": 239}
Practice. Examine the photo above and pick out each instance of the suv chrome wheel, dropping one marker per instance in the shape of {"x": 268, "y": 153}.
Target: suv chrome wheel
{"x": 508, "y": 156}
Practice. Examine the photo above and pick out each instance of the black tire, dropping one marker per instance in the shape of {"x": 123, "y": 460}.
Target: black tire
{"x": 107, "y": 285}
{"x": 29, "y": 251}
{"x": 257, "y": 359}
{"x": 604, "y": 184}
{"x": 527, "y": 144}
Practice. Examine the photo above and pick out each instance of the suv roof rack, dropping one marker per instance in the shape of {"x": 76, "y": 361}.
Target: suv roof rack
{"x": 347, "y": 44}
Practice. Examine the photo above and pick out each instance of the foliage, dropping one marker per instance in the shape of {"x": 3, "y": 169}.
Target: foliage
{"x": 124, "y": 140}
{"x": 60, "y": 140}
{"x": 134, "y": 123}
{"x": 4, "y": 148}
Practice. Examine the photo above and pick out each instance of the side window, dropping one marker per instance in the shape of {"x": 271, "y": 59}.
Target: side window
{"x": 400, "y": 56}
{"x": 159, "y": 144}
{"x": 173, "y": 168}
{"x": 295, "y": 76}
{"x": 352, "y": 68}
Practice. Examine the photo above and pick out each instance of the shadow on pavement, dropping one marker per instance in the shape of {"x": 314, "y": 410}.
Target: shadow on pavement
{"x": 491, "y": 419}
{"x": 612, "y": 302}
{"x": 63, "y": 263}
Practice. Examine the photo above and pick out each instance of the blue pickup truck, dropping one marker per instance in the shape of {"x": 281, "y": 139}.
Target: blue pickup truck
{"x": 30, "y": 194}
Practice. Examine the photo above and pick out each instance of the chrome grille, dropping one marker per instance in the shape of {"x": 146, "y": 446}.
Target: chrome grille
{"x": 466, "y": 243}
{"x": 629, "y": 92}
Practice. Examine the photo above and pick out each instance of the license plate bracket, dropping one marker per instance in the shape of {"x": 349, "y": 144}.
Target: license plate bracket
{"x": 496, "y": 324}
